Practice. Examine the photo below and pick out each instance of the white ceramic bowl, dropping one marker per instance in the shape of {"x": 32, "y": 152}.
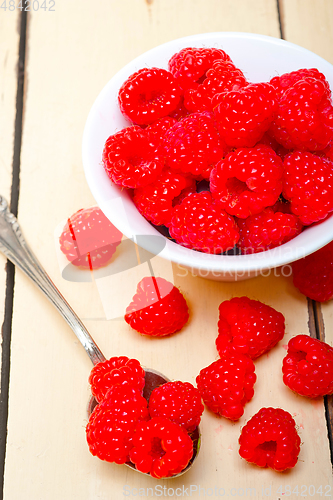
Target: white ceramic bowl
{"x": 260, "y": 58}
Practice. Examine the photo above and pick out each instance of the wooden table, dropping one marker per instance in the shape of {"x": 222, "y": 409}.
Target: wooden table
{"x": 52, "y": 66}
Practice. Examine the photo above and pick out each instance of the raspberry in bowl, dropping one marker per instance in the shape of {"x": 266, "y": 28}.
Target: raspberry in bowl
{"x": 270, "y": 75}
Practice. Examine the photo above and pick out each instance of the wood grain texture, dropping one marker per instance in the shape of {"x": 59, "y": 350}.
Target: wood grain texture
{"x": 72, "y": 53}
{"x": 309, "y": 24}
{"x": 9, "y": 48}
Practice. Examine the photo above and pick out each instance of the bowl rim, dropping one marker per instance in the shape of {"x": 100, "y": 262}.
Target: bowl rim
{"x": 109, "y": 196}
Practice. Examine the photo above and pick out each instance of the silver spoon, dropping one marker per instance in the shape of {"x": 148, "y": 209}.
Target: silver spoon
{"x": 16, "y": 249}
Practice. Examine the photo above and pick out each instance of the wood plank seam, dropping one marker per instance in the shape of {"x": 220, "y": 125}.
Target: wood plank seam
{"x": 281, "y": 18}
{"x": 328, "y": 400}
{"x": 10, "y": 268}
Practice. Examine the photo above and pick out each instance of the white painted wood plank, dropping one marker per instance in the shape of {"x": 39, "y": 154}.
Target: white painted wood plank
{"x": 309, "y": 24}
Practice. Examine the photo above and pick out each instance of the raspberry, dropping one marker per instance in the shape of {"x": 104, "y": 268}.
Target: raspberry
{"x": 148, "y": 94}
{"x": 248, "y": 327}
{"x": 222, "y": 77}
{"x": 193, "y": 146}
{"x": 89, "y": 240}
{"x": 328, "y": 152}
{"x": 269, "y": 439}
{"x": 304, "y": 116}
{"x": 158, "y": 129}
{"x": 112, "y": 423}
{"x": 287, "y": 80}
{"x": 180, "y": 112}
{"x": 157, "y": 309}
{"x": 180, "y": 402}
{"x": 244, "y": 115}
{"x": 308, "y": 185}
{"x": 247, "y": 180}
{"x": 131, "y": 158}
{"x": 161, "y": 448}
{"x": 115, "y": 371}
{"x": 267, "y": 230}
{"x": 308, "y": 367}
{"x": 156, "y": 201}
{"x": 200, "y": 224}
{"x": 189, "y": 65}
{"x": 313, "y": 275}
{"x": 227, "y": 384}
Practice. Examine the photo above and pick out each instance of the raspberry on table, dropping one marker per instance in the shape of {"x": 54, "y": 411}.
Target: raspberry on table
{"x": 244, "y": 115}
{"x": 178, "y": 401}
{"x": 89, "y": 240}
{"x": 190, "y": 64}
{"x": 304, "y": 118}
{"x": 248, "y": 327}
{"x": 200, "y": 224}
{"x": 157, "y": 309}
{"x": 112, "y": 424}
{"x": 308, "y": 367}
{"x": 223, "y": 76}
{"x": 308, "y": 185}
{"x": 161, "y": 448}
{"x": 156, "y": 202}
{"x": 226, "y": 385}
{"x": 132, "y": 158}
{"x": 270, "y": 439}
{"x": 119, "y": 370}
{"x": 284, "y": 82}
{"x": 193, "y": 146}
{"x": 149, "y": 94}
{"x": 313, "y": 275}
{"x": 267, "y": 230}
{"x": 247, "y": 180}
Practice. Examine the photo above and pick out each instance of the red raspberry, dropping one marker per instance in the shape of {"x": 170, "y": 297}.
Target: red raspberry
{"x": 247, "y": 180}
{"x": 131, "y": 158}
{"x": 118, "y": 370}
{"x": 180, "y": 112}
{"x": 157, "y": 309}
{"x": 267, "y": 230}
{"x": 156, "y": 201}
{"x": 308, "y": 185}
{"x": 244, "y": 115}
{"x": 189, "y": 65}
{"x": 248, "y": 327}
{"x": 161, "y": 448}
{"x": 313, "y": 275}
{"x": 158, "y": 129}
{"x": 287, "y": 80}
{"x": 222, "y": 77}
{"x": 308, "y": 367}
{"x": 112, "y": 423}
{"x": 193, "y": 146}
{"x": 180, "y": 402}
{"x": 269, "y": 439}
{"x": 148, "y": 94}
{"x": 328, "y": 152}
{"x": 89, "y": 240}
{"x": 304, "y": 116}
{"x": 200, "y": 224}
{"x": 227, "y": 384}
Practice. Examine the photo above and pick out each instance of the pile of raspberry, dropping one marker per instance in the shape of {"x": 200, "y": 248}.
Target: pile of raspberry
{"x": 156, "y": 436}
{"x": 220, "y": 162}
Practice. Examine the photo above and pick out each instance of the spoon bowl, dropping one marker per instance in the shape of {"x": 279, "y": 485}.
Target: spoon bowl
{"x": 16, "y": 249}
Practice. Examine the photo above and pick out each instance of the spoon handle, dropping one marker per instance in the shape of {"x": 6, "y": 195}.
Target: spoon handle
{"x": 16, "y": 249}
